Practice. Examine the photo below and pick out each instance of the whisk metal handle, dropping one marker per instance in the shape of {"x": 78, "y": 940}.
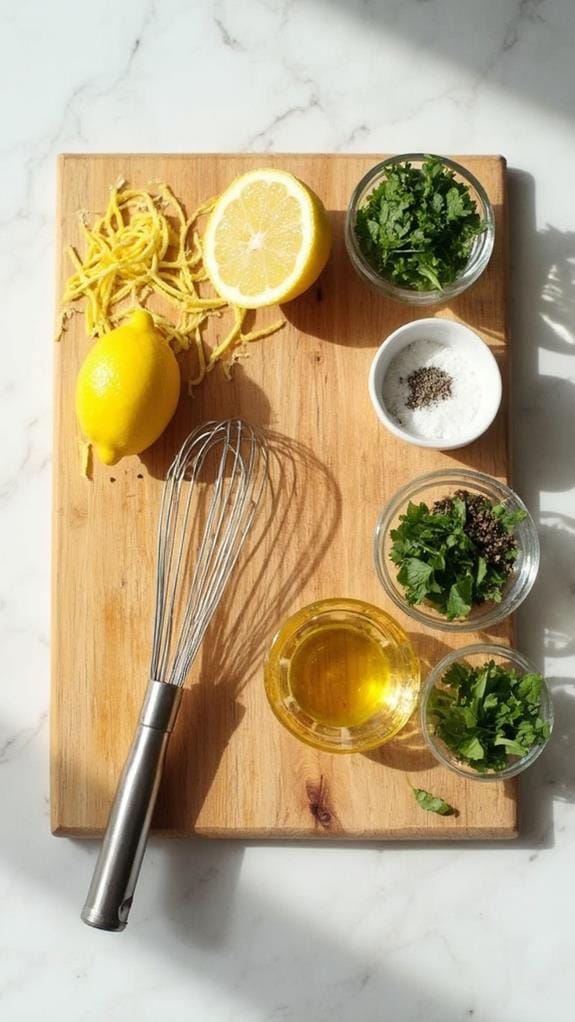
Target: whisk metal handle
{"x": 114, "y": 881}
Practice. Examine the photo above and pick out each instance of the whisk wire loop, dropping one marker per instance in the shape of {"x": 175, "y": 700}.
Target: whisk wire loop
{"x": 240, "y": 474}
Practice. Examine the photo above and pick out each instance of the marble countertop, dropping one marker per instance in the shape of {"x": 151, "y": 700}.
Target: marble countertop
{"x": 258, "y": 933}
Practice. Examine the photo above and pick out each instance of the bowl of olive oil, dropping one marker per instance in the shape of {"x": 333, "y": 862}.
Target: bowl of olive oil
{"x": 342, "y": 675}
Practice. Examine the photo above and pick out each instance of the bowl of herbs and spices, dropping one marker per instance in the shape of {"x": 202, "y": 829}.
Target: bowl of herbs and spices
{"x": 486, "y": 712}
{"x": 456, "y": 550}
{"x": 420, "y": 228}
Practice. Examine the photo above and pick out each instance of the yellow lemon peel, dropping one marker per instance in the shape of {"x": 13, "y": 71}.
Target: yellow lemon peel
{"x": 127, "y": 389}
{"x": 144, "y": 245}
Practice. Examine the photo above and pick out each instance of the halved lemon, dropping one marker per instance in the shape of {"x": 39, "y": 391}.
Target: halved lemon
{"x": 267, "y": 239}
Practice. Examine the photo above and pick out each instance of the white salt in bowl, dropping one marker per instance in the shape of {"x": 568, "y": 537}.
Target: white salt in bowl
{"x": 471, "y": 349}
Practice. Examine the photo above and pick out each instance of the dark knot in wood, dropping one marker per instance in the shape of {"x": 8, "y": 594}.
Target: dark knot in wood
{"x": 317, "y": 796}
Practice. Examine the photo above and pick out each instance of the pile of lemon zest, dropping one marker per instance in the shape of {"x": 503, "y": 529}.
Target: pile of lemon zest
{"x": 143, "y": 245}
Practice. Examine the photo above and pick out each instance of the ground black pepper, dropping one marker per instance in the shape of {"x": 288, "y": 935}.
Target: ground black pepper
{"x": 428, "y": 386}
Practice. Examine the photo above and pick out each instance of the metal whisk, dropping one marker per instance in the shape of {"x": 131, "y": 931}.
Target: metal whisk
{"x": 189, "y": 585}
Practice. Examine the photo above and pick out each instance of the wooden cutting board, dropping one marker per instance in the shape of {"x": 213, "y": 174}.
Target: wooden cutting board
{"x": 232, "y": 770}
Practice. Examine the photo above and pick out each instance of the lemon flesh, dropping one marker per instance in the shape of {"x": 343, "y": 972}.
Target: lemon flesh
{"x": 267, "y": 240}
{"x": 127, "y": 389}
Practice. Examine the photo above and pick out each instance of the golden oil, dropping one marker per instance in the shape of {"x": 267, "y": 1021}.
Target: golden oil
{"x": 339, "y": 675}
{"x": 342, "y": 675}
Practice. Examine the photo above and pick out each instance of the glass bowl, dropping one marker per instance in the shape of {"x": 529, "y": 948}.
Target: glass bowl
{"x": 480, "y": 252}
{"x": 474, "y": 656}
{"x": 437, "y": 486}
{"x": 388, "y": 693}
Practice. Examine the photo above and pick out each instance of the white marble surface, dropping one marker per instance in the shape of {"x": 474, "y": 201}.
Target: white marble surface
{"x": 222, "y": 931}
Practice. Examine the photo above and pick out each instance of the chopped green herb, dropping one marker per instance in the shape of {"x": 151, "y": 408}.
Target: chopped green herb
{"x": 486, "y": 714}
{"x": 433, "y": 803}
{"x": 418, "y": 226}
{"x": 456, "y": 555}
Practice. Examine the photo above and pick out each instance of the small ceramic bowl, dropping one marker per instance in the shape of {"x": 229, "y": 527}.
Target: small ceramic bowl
{"x": 480, "y": 252}
{"x": 437, "y": 486}
{"x": 390, "y": 703}
{"x": 470, "y": 347}
{"x": 476, "y": 656}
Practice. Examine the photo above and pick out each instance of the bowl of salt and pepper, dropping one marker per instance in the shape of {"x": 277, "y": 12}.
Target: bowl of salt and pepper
{"x": 435, "y": 383}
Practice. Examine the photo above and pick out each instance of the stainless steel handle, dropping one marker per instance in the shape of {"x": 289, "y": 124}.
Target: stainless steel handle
{"x": 114, "y": 881}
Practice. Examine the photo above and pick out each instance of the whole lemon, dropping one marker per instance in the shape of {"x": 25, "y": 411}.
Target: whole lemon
{"x": 127, "y": 389}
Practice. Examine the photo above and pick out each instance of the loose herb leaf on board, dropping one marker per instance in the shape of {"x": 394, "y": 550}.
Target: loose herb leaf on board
{"x": 417, "y": 227}
{"x": 433, "y": 803}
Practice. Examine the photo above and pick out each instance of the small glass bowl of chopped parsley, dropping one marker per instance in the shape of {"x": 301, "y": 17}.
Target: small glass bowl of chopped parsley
{"x": 486, "y": 712}
{"x": 457, "y": 550}
{"x": 420, "y": 228}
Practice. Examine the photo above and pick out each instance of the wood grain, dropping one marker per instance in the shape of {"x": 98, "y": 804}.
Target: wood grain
{"x": 232, "y": 770}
